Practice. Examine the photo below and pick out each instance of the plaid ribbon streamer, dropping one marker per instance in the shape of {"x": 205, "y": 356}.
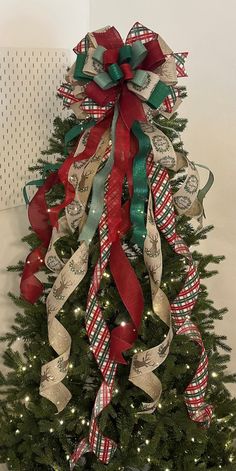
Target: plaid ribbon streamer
{"x": 99, "y": 338}
{"x": 180, "y": 58}
{"x": 65, "y": 92}
{"x": 182, "y": 306}
{"x": 93, "y": 109}
{"x": 139, "y": 32}
{"x": 82, "y": 46}
{"x": 170, "y": 100}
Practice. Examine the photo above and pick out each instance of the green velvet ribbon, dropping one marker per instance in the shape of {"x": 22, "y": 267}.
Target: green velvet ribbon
{"x": 139, "y": 53}
{"x": 115, "y": 72}
{"x": 139, "y": 77}
{"x": 79, "y": 65}
{"x": 160, "y": 92}
{"x": 75, "y": 132}
{"x": 98, "y": 54}
{"x": 97, "y": 201}
{"x": 140, "y": 181}
{"x": 104, "y": 81}
{"x": 125, "y": 54}
{"x": 36, "y": 183}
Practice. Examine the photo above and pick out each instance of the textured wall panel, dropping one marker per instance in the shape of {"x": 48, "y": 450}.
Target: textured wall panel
{"x": 28, "y": 104}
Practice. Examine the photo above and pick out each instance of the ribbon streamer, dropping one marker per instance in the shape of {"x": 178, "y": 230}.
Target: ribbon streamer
{"x": 115, "y": 88}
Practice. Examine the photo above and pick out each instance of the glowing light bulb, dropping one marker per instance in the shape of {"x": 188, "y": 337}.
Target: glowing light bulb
{"x": 73, "y": 410}
{"x": 214, "y": 374}
{"x": 51, "y": 430}
{"x": 138, "y": 450}
{"x": 123, "y": 323}
{"x": 23, "y": 368}
{"x": 17, "y": 431}
{"x": 149, "y": 459}
{"x": 159, "y": 405}
{"x": 83, "y": 421}
{"x": 27, "y": 398}
{"x": 61, "y": 422}
{"x": 67, "y": 457}
{"x": 187, "y": 366}
{"x": 71, "y": 365}
{"x": 147, "y": 442}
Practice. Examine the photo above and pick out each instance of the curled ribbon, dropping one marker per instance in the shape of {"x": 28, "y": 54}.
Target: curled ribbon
{"x": 114, "y": 88}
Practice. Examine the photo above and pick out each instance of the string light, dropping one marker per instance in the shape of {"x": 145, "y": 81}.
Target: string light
{"x": 77, "y": 309}
{"x": 107, "y": 303}
{"x": 27, "y": 398}
{"x": 51, "y": 430}
{"x": 21, "y": 415}
{"x": 116, "y": 391}
{"x": 71, "y": 365}
{"x": 159, "y": 405}
{"x": 138, "y": 450}
{"x": 34, "y": 357}
{"x": 61, "y": 422}
{"x": 23, "y": 368}
{"x": 192, "y": 439}
{"x": 67, "y": 457}
{"x": 73, "y": 410}
{"x": 123, "y": 323}
{"x": 149, "y": 459}
{"x": 87, "y": 423}
{"x": 214, "y": 374}
{"x": 187, "y": 366}
{"x": 83, "y": 422}
{"x": 132, "y": 406}
{"x": 17, "y": 431}
{"x": 147, "y": 442}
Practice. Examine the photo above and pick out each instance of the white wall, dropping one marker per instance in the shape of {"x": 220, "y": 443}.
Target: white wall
{"x": 206, "y": 29}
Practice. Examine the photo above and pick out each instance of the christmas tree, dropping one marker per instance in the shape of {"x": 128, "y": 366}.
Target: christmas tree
{"x": 125, "y": 311}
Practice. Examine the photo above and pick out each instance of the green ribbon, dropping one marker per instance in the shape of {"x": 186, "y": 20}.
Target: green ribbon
{"x": 104, "y": 81}
{"x": 160, "y": 92}
{"x": 115, "y": 72}
{"x": 75, "y": 132}
{"x": 36, "y": 183}
{"x": 139, "y": 77}
{"x": 97, "y": 201}
{"x": 139, "y": 53}
{"x": 137, "y": 209}
{"x": 125, "y": 54}
{"x": 98, "y": 54}
{"x": 79, "y": 65}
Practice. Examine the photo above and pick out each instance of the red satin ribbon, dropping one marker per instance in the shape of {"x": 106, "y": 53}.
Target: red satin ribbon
{"x": 128, "y": 286}
{"x": 94, "y": 138}
{"x": 155, "y": 56}
{"x": 127, "y": 283}
{"x": 31, "y": 288}
{"x": 108, "y": 38}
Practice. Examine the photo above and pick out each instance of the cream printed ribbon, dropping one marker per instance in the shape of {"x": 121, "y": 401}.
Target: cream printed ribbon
{"x": 69, "y": 277}
{"x": 144, "y": 363}
{"x": 185, "y": 199}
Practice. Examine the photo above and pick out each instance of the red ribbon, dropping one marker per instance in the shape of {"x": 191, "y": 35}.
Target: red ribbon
{"x": 94, "y": 138}
{"x": 31, "y": 288}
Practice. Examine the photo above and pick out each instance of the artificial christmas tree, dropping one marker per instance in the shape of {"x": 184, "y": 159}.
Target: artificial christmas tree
{"x": 120, "y": 328}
